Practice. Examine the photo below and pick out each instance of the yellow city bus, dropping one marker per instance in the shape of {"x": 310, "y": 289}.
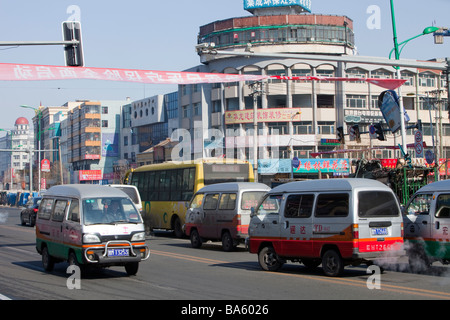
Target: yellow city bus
{"x": 167, "y": 188}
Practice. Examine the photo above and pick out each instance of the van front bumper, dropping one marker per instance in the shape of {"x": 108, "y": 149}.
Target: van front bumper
{"x": 102, "y": 255}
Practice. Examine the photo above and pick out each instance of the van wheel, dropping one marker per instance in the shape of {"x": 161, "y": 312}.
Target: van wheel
{"x": 47, "y": 260}
{"x": 269, "y": 260}
{"x": 227, "y": 242}
{"x": 332, "y": 264}
{"x": 196, "y": 240}
{"x": 177, "y": 229}
{"x": 132, "y": 268}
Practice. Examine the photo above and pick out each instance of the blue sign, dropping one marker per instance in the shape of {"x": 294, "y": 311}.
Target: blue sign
{"x": 389, "y": 105}
{"x": 258, "y": 4}
{"x": 429, "y": 156}
{"x": 295, "y": 162}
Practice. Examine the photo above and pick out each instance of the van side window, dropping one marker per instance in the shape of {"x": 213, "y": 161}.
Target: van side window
{"x": 332, "y": 205}
{"x": 211, "y": 201}
{"x": 299, "y": 206}
{"x": 227, "y": 201}
{"x": 74, "y": 211}
{"x": 270, "y": 205}
{"x": 45, "y": 209}
{"x": 443, "y": 206}
{"x": 59, "y": 211}
{"x": 420, "y": 205}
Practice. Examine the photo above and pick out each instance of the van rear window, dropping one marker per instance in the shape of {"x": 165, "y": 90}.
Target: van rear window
{"x": 377, "y": 204}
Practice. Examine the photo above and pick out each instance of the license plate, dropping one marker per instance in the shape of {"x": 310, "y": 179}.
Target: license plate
{"x": 379, "y": 231}
{"x": 118, "y": 252}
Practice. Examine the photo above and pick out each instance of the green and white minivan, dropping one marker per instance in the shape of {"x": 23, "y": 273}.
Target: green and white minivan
{"x": 90, "y": 225}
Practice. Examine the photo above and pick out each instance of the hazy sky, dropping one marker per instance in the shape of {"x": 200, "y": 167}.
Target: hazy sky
{"x": 161, "y": 35}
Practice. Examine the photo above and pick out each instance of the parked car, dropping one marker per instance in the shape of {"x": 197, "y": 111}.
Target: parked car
{"x": 28, "y": 215}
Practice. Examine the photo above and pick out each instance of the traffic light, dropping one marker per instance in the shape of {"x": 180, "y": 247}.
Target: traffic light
{"x": 73, "y": 52}
{"x": 340, "y": 135}
{"x": 379, "y": 131}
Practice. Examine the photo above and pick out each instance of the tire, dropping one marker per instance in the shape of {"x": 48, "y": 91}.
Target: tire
{"x": 269, "y": 260}
{"x": 227, "y": 242}
{"x": 48, "y": 261}
{"x": 332, "y": 264}
{"x": 22, "y": 221}
{"x": 132, "y": 268}
{"x": 196, "y": 240}
{"x": 177, "y": 229}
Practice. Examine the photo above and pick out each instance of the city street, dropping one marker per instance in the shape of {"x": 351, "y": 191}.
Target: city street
{"x": 175, "y": 271}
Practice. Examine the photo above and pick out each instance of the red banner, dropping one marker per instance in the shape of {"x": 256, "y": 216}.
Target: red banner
{"x": 27, "y": 72}
{"x": 31, "y": 72}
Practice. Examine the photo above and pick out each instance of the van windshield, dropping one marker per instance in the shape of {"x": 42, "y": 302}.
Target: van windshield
{"x": 109, "y": 211}
{"x": 377, "y": 204}
{"x": 250, "y": 199}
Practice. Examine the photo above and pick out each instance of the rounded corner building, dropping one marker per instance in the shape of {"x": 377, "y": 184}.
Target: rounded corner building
{"x": 277, "y": 28}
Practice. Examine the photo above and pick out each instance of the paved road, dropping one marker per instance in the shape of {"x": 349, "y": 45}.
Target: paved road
{"x": 177, "y": 271}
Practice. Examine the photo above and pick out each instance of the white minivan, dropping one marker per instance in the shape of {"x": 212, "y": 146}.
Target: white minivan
{"x": 427, "y": 225}
{"x": 222, "y": 212}
{"x": 333, "y": 222}
{"x": 90, "y": 225}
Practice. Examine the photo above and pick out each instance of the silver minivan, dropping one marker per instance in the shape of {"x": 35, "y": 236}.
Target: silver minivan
{"x": 427, "y": 225}
{"x": 90, "y": 225}
{"x": 222, "y": 212}
{"x": 335, "y": 222}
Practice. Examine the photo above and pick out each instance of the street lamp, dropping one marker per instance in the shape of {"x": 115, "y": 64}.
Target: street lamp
{"x": 39, "y": 114}
{"x": 397, "y": 45}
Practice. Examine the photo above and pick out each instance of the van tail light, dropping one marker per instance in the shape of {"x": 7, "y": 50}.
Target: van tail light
{"x": 402, "y": 230}
{"x": 355, "y": 231}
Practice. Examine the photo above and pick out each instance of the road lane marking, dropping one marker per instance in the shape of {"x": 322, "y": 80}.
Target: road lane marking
{"x": 2, "y": 297}
{"x": 349, "y": 282}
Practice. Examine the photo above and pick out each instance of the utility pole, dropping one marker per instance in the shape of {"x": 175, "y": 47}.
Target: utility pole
{"x": 257, "y": 90}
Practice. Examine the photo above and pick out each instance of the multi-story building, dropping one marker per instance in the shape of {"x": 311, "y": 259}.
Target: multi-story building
{"x": 16, "y": 164}
{"x": 323, "y": 105}
{"x": 147, "y": 122}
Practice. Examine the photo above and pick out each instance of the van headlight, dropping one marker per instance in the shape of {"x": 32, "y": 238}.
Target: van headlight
{"x": 90, "y": 238}
{"x": 140, "y": 236}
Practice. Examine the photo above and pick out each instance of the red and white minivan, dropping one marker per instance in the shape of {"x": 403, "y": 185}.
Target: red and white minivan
{"x": 333, "y": 222}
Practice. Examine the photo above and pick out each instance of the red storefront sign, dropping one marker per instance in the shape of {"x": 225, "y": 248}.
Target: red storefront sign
{"x": 90, "y": 175}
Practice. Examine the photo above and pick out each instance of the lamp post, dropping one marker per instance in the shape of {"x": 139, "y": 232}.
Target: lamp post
{"x": 39, "y": 114}
{"x": 397, "y": 50}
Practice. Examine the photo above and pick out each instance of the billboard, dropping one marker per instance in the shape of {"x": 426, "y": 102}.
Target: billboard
{"x": 264, "y": 115}
{"x": 259, "y": 4}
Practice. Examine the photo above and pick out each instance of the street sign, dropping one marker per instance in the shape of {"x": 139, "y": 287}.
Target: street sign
{"x": 45, "y": 165}
{"x": 429, "y": 157}
{"x": 418, "y": 143}
{"x": 295, "y": 162}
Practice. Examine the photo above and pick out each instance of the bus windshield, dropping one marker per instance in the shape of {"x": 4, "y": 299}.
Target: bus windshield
{"x": 109, "y": 211}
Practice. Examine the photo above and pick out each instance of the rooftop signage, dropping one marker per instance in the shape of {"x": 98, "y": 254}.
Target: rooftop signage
{"x": 260, "y": 4}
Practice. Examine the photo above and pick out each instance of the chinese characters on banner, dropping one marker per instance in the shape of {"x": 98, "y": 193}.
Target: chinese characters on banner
{"x": 29, "y": 72}
{"x": 264, "y": 115}
{"x": 323, "y": 165}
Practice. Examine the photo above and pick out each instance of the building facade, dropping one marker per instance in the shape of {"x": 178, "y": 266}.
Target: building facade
{"x": 323, "y": 105}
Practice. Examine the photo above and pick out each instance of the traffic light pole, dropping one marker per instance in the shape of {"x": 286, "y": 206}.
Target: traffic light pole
{"x": 39, "y": 43}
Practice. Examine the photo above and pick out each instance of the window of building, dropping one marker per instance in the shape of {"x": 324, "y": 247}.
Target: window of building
{"x": 104, "y": 110}
{"x": 356, "y": 101}
{"x": 104, "y": 123}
